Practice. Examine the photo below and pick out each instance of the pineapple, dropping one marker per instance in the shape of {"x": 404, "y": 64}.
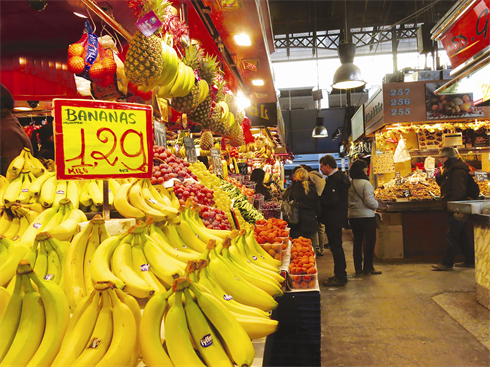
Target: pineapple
{"x": 144, "y": 61}
{"x": 236, "y": 135}
{"x": 207, "y": 70}
{"x": 188, "y": 103}
{"x": 207, "y": 140}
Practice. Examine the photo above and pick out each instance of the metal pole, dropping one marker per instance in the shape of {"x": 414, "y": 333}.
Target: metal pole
{"x": 394, "y": 47}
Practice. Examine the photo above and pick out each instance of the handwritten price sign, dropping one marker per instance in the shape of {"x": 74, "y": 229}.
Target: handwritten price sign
{"x": 98, "y": 139}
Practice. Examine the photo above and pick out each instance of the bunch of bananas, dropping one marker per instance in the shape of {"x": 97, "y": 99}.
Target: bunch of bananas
{"x": 15, "y": 220}
{"x": 102, "y": 330}
{"x": 78, "y": 281}
{"x": 25, "y": 161}
{"x": 171, "y": 62}
{"x": 34, "y": 322}
{"x": 140, "y": 199}
{"x": 200, "y": 320}
{"x": 60, "y": 221}
{"x": 181, "y": 85}
{"x": 10, "y": 254}
{"x": 92, "y": 193}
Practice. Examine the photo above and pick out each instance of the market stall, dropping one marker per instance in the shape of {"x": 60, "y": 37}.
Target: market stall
{"x": 406, "y": 125}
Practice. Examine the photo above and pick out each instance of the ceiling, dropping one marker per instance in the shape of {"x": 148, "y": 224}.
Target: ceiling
{"x": 290, "y": 17}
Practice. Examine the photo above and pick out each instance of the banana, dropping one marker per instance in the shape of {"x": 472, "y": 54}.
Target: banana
{"x": 48, "y": 192}
{"x": 180, "y": 80}
{"x": 13, "y": 229}
{"x": 150, "y": 192}
{"x": 95, "y": 193}
{"x": 8, "y": 267}
{"x": 24, "y": 224}
{"x": 164, "y": 92}
{"x": 257, "y": 327}
{"x": 124, "y": 337}
{"x": 161, "y": 264}
{"x": 24, "y": 196}
{"x": 78, "y": 312}
{"x": 31, "y": 161}
{"x": 92, "y": 244}
{"x": 10, "y": 322}
{"x": 179, "y": 344}
{"x": 74, "y": 285}
{"x": 156, "y": 202}
{"x": 239, "y": 288}
{"x": 160, "y": 238}
{"x": 69, "y": 225}
{"x": 61, "y": 251}
{"x": 173, "y": 237}
{"x": 200, "y": 231}
{"x": 4, "y": 301}
{"x": 54, "y": 265}
{"x": 13, "y": 190}
{"x": 149, "y": 332}
{"x": 31, "y": 328}
{"x": 80, "y": 331}
{"x": 113, "y": 186}
{"x": 143, "y": 269}
{"x": 85, "y": 198}
{"x": 36, "y": 207}
{"x": 123, "y": 269}
{"x": 203, "y": 335}
{"x": 253, "y": 245}
{"x": 5, "y": 222}
{"x": 194, "y": 217}
{"x": 57, "y": 317}
{"x": 234, "y": 337}
{"x": 73, "y": 192}
{"x": 99, "y": 267}
{"x": 136, "y": 199}
{"x": 55, "y": 219}
{"x": 123, "y": 206}
{"x": 101, "y": 337}
{"x": 100, "y": 183}
{"x": 4, "y": 183}
{"x": 248, "y": 253}
{"x": 164, "y": 75}
{"x": 190, "y": 238}
{"x": 60, "y": 192}
{"x": 41, "y": 266}
{"x": 15, "y": 167}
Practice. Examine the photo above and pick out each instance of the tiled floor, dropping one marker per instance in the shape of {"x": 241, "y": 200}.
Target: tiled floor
{"x": 407, "y": 316}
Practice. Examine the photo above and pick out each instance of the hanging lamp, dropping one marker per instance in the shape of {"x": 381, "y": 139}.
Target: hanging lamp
{"x": 319, "y": 131}
{"x": 348, "y": 75}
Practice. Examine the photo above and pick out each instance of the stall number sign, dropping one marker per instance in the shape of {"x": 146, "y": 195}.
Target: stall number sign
{"x": 216, "y": 160}
{"x": 481, "y": 176}
{"x": 399, "y": 102}
{"x": 160, "y": 134}
{"x": 100, "y": 140}
{"x": 190, "y": 150}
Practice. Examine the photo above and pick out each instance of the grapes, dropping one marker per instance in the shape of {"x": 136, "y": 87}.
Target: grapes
{"x": 214, "y": 218}
{"x": 171, "y": 167}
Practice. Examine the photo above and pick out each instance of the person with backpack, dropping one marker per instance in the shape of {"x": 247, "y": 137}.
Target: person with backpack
{"x": 456, "y": 185}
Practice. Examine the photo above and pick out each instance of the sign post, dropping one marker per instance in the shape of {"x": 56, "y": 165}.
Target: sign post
{"x": 216, "y": 160}
{"x": 190, "y": 150}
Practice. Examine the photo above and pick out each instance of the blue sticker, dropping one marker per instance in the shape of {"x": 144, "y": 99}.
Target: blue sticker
{"x": 145, "y": 267}
{"x": 227, "y": 297}
{"x": 37, "y": 225}
{"x": 254, "y": 257}
{"x": 49, "y": 277}
{"x": 60, "y": 192}
{"x": 206, "y": 341}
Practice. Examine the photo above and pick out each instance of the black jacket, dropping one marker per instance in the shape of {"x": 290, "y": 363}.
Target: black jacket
{"x": 454, "y": 181}
{"x": 309, "y": 207}
{"x": 334, "y": 200}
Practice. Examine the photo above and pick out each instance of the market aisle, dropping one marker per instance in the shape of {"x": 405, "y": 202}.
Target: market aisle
{"x": 393, "y": 320}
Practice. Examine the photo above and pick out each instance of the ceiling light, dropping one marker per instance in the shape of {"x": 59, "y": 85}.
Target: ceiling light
{"x": 319, "y": 131}
{"x": 242, "y": 39}
{"x": 80, "y": 15}
{"x": 348, "y": 75}
{"x": 22, "y": 108}
{"x": 258, "y": 82}
{"x": 242, "y": 101}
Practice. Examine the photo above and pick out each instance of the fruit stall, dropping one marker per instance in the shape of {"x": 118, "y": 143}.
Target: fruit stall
{"x": 404, "y": 126}
{"x": 125, "y": 249}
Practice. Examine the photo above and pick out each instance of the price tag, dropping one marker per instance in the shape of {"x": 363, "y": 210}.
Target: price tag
{"x": 216, "y": 160}
{"x": 190, "y": 150}
{"x": 101, "y": 140}
{"x": 406, "y": 193}
{"x": 430, "y": 173}
{"x": 242, "y": 168}
{"x": 160, "y": 134}
{"x": 148, "y": 24}
{"x": 398, "y": 179}
{"x": 481, "y": 176}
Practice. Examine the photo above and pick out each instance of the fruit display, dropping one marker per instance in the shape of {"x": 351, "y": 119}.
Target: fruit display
{"x": 482, "y": 247}
{"x": 34, "y": 322}
{"x": 91, "y": 193}
{"x": 271, "y": 210}
{"x": 24, "y": 162}
{"x": 15, "y": 220}
{"x": 187, "y": 103}
{"x": 169, "y": 167}
{"x": 247, "y": 210}
{"x": 302, "y": 268}
{"x": 484, "y": 187}
{"x": 11, "y": 253}
{"x": 198, "y": 193}
{"x": 414, "y": 187}
{"x": 214, "y": 218}
{"x": 271, "y": 230}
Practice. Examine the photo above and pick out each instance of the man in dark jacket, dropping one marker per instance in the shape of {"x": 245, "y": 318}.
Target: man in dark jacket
{"x": 334, "y": 215}
{"x": 454, "y": 184}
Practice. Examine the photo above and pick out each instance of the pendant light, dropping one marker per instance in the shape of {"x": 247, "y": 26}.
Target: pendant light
{"x": 319, "y": 131}
{"x": 348, "y": 75}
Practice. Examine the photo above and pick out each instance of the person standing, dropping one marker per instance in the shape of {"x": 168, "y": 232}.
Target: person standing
{"x": 454, "y": 185}
{"x": 12, "y": 136}
{"x": 334, "y": 202}
{"x": 319, "y": 182}
{"x": 258, "y": 176}
{"x": 362, "y": 218}
{"x": 309, "y": 207}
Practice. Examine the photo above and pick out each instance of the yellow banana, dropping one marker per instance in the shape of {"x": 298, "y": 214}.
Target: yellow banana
{"x": 11, "y": 317}
{"x": 73, "y": 192}
{"x": 123, "y": 206}
{"x": 48, "y": 192}
{"x": 95, "y": 193}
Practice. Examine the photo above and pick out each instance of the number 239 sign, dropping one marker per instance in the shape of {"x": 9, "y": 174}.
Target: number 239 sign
{"x": 98, "y": 139}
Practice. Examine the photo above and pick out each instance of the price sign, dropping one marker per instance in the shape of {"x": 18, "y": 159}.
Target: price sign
{"x": 430, "y": 173}
{"x": 383, "y": 163}
{"x": 190, "y": 150}
{"x": 242, "y": 168}
{"x": 100, "y": 140}
{"x": 406, "y": 193}
{"x": 481, "y": 176}
{"x": 216, "y": 160}
{"x": 160, "y": 134}
{"x": 398, "y": 179}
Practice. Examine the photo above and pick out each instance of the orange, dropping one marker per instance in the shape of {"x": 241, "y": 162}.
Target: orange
{"x": 75, "y": 49}
{"x": 76, "y": 64}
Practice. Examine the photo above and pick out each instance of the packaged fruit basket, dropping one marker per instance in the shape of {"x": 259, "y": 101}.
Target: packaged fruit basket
{"x": 276, "y": 250}
{"x": 302, "y": 268}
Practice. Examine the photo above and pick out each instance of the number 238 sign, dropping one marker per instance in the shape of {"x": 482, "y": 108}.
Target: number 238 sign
{"x": 98, "y": 139}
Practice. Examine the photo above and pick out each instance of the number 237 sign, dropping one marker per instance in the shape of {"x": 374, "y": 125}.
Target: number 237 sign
{"x": 98, "y": 139}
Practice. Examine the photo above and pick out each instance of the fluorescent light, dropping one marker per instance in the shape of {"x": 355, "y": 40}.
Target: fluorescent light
{"x": 242, "y": 39}
{"x": 80, "y": 15}
{"x": 22, "y": 108}
{"x": 258, "y": 82}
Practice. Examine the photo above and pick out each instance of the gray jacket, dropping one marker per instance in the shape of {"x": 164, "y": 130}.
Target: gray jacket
{"x": 361, "y": 199}
{"x": 318, "y": 180}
